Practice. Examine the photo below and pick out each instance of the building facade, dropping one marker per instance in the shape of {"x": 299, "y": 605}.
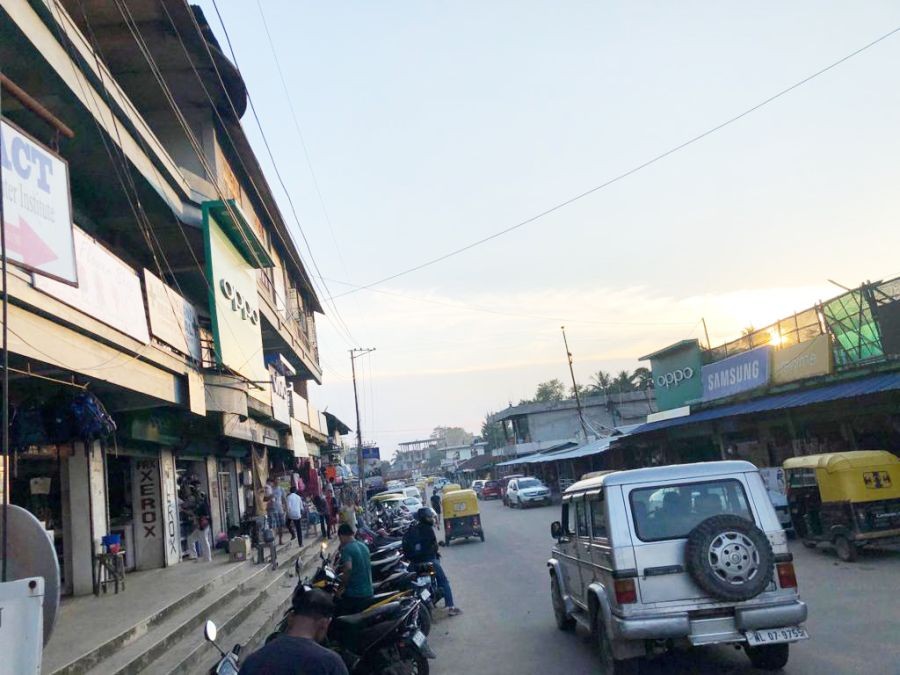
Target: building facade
{"x": 153, "y": 277}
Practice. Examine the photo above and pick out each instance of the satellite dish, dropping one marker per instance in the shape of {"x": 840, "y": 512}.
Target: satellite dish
{"x": 31, "y": 554}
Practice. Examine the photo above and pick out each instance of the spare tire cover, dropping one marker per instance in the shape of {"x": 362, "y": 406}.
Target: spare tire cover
{"x": 730, "y": 558}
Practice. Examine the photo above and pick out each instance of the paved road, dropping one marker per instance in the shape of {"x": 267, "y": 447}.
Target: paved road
{"x": 507, "y": 625}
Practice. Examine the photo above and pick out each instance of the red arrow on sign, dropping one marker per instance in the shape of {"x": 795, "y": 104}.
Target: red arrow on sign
{"x": 28, "y": 244}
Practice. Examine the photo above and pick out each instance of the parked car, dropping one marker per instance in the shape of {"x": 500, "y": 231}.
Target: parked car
{"x": 521, "y": 492}
{"x": 490, "y": 489}
{"x": 477, "y": 485}
{"x": 691, "y": 555}
{"x": 504, "y": 482}
{"x": 413, "y": 504}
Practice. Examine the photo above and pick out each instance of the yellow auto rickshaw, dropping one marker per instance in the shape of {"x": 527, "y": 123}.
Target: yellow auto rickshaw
{"x": 848, "y": 499}
{"x": 462, "y": 518}
{"x": 450, "y": 487}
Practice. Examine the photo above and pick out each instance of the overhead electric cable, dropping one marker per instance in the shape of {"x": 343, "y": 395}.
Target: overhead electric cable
{"x": 621, "y": 176}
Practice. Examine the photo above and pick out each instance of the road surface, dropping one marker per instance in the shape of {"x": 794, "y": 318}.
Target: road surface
{"x": 507, "y": 625}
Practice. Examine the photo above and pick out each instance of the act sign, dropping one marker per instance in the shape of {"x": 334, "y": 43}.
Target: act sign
{"x": 37, "y": 212}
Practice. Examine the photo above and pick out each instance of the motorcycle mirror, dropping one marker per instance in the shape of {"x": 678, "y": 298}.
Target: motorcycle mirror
{"x": 210, "y": 631}
{"x": 556, "y": 529}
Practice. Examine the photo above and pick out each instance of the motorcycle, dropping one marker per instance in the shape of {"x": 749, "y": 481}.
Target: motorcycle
{"x": 228, "y": 664}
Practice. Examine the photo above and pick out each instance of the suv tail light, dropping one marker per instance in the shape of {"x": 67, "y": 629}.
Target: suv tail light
{"x": 787, "y": 578}
{"x": 626, "y": 592}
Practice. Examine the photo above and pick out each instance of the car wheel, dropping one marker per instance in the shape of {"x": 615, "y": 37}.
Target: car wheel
{"x": 610, "y": 664}
{"x": 730, "y": 558}
{"x": 769, "y": 657}
{"x": 563, "y": 621}
{"x": 846, "y": 549}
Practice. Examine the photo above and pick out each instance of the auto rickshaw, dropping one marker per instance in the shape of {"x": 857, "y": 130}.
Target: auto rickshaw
{"x": 450, "y": 487}
{"x": 848, "y": 499}
{"x": 462, "y": 518}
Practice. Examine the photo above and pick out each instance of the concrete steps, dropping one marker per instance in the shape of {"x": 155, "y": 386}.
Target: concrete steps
{"x": 172, "y": 635}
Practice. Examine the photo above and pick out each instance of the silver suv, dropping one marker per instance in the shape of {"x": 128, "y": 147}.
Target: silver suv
{"x": 685, "y": 555}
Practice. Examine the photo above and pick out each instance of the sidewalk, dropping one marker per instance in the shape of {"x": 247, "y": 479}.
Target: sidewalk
{"x": 109, "y": 621}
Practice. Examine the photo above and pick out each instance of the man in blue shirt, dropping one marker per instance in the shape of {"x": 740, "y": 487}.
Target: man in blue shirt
{"x": 356, "y": 590}
{"x": 296, "y": 652}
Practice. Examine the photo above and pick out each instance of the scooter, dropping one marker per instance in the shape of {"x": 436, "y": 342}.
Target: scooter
{"x": 228, "y": 664}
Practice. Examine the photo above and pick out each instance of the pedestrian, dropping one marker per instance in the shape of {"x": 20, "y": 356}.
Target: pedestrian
{"x": 199, "y": 508}
{"x": 296, "y": 652}
{"x": 348, "y": 513}
{"x": 294, "y": 510}
{"x": 275, "y": 507}
{"x": 420, "y": 546}
{"x": 436, "y": 505}
{"x": 319, "y": 502}
{"x": 355, "y": 593}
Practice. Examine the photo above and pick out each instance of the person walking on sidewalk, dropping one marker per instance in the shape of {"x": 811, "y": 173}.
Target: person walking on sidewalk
{"x": 297, "y": 652}
{"x": 275, "y": 507}
{"x": 319, "y": 503}
{"x": 420, "y": 546}
{"x": 199, "y": 510}
{"x": 294, "y": 505}
{"x": 355, "y": 593}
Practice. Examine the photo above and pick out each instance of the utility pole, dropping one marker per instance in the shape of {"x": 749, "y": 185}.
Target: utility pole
{"x": 574, "y": 386}
{"x": 706, "y": 333}
{"x": 354, "y": 353}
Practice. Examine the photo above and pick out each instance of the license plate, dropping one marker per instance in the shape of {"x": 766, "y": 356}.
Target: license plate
{"x": 418, "y": 638}
{"x": 768, "y": 636}
{"x": 425, "y": 594}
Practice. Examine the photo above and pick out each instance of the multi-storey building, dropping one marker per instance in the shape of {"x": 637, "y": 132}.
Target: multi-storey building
{"x": 151, "y": 269}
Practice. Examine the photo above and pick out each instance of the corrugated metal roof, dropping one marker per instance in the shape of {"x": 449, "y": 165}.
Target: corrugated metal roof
{"x": 873, "y": 384}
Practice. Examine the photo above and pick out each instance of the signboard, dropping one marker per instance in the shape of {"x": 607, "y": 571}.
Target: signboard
{"x": 281, "y": 409}
{"x": 172, "y": 318}
{"x": 736, "y": 374}
{"x": 233, "y": 305}
{"x": 171, "y": 531}
{"x": 37, "y": 211}
{"x": 803, "y": 360}
{"x": 108, "y": 289}
{"x": 371, "y": 461}
{"x": 676, "y": 374}
{"x": 149, "y": 529}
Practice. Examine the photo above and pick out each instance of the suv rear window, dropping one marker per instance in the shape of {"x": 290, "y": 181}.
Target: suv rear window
{"x": 672, "y": 511}
{"x": 491, "y": 483}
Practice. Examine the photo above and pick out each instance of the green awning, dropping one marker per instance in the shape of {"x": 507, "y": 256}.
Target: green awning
{"x": 236, "y": 227}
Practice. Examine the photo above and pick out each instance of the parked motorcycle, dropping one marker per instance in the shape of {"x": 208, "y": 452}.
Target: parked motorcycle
{"x": 228, "y": 664}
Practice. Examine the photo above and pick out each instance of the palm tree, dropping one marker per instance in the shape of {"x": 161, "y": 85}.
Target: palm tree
{"x": 601, "y": 382}
{"x": 642, "y": 377}
{"x": 622, "y": 382}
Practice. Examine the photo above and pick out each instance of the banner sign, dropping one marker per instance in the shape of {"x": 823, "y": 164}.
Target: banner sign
{"x": 233, "y": 305}
{"x": 371, "y": 461}
{"x": 800, "y": 361}
{"x": 676, "y": 374}
{"x": 108, "y": 289}
{"x": 281, "y": 410}
{"x": 173, "y": 319}
{"x": 37, "y": 211}
{"x": 736, "y": 374}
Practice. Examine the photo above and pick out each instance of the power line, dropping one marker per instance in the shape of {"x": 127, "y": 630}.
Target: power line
{"x": 622, "y": 176}
{"x": 487, "y": 310}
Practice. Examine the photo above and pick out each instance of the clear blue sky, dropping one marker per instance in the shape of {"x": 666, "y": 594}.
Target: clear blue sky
{"x": 430, "y": 125}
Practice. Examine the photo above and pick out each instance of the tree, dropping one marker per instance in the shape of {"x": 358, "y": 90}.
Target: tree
{"x": 580, "y": 388}
{"x": 643, "y": 378}
{"x": 622, "y": 383}
{"x": 447, "y": 436}
{"x": 601, "y": 382}
{"x": 492, "y": 433}
{"x": 551, "y": 390}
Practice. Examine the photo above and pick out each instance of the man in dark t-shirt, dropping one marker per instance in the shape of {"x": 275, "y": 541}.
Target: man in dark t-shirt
{"x": 296, "y": 652}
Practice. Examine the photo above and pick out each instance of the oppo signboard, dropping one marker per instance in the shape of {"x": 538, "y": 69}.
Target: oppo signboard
{"x": 676, "y": 374}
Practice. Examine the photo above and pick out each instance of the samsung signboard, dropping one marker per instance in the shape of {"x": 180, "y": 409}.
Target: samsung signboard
{"x": 676, "y": 374}
{"x": 736, "y": 374}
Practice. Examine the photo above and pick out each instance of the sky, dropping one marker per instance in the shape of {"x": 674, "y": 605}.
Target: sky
{"x": 405, "y": 130}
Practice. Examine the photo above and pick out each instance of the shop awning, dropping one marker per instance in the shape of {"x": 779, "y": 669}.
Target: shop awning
{"x": 538, "y": 456}
{"x": 874, "y": 384}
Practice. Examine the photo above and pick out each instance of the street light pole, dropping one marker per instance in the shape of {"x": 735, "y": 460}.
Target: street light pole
{"x": 574, "y": 386}
{"x": 359, "y": 453}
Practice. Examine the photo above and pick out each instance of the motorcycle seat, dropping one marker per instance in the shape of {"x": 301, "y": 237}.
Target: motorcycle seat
{"x": 367, "y": 617}
{"x": 385, "y": 562}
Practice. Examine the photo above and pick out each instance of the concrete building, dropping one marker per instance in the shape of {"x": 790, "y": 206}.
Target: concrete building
{"x": 533, "y": 427}
{"x": 151, "y": 264}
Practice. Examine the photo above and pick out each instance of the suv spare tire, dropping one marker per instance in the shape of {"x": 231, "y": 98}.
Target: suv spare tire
{"x": 730, "y": 558}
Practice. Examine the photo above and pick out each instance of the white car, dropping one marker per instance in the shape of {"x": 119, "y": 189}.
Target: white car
{"x": 524, "y": 491}
{"x": 413, "y": 504}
